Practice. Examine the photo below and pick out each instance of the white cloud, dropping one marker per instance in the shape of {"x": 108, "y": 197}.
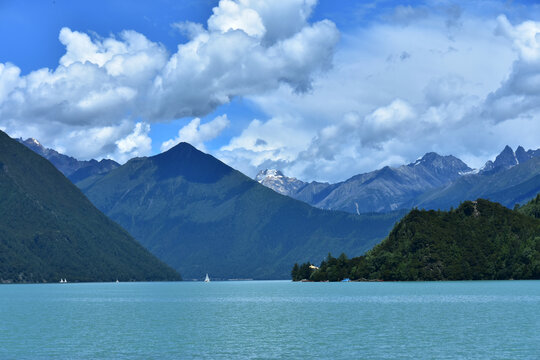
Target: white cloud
{"x": 137, "y": 143}
{"x": 435, "y": 78}
{"x": 464, "y": 90}
{"x": 9, "y": 79}
{"x": 107, "y": 85}
{"x": 236, "y": 15}
{"x": 197, "y": 134}
{"x": 277, "y": 139}
{"x": 221, "y": 66}
{"x": 519, "y": 94}
{"x": 524, "y": 36}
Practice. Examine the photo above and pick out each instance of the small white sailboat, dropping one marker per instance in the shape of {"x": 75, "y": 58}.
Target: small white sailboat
{"x": 207, "y": 279}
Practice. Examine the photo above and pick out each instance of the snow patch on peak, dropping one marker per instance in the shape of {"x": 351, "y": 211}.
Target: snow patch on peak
{"x": 470, "y": 172}
{"x": 277, "y": 181}
{"x": 269, "y": 173}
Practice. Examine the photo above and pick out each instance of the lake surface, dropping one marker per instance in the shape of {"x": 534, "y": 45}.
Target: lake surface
{"x": 271, "y": 320}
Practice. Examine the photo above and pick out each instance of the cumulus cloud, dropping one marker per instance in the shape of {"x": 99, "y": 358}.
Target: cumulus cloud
{"x": 275, "y": 141}
{"x": 232, "y": 15}
{"x": 107, "y": 85}
{"x": 197, "y": 134}
{"x": 468, "y": 94}
{"x": 519, "y": 94}
{"x": 136, "y": 143}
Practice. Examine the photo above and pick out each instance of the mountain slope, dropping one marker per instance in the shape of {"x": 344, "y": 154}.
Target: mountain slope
{"x": 49, "y": 230}
{"x": 480, "y": 240}
{"x": 199, "y": 215}
{"x": 75, "y": 170}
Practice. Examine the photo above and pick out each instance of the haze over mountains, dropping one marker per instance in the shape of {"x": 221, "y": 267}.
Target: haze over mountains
{"x": 49, "y": 230}
{"x": 431, "y": 182}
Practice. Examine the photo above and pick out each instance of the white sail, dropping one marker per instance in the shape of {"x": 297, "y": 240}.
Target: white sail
{"x": 206, "y": 279}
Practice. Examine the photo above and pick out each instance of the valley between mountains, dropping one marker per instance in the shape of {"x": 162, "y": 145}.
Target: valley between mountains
{"x": 198, "y": 215}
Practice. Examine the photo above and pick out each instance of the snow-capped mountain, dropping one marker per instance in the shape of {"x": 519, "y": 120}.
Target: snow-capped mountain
{"x": 386, "y": 189}
{"x": 275, "y": 180}
{"x": 433, "y": 181}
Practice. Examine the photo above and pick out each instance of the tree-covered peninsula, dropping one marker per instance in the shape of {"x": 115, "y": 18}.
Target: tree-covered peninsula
{"x": 480, "y": 240}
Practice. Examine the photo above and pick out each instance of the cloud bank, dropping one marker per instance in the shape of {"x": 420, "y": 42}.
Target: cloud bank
{"x": 468, "y": 86}
{"x": 461, "y": 80}
{"x": 105, "y": 92}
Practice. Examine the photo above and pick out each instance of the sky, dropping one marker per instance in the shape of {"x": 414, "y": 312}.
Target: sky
{"x": 321, "y": 90}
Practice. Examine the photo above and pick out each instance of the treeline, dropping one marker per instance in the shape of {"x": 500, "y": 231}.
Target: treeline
{"x": 480, "y": 240}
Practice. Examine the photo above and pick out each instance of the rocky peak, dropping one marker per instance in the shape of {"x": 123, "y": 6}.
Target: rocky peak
{"x": 67, "y": 164}
{"x": 277, "y": 181}
{"x": 269, "y": 173}
{"x": 449, "y": 163}
{"x": 33, "y": 141}
{"x": 505, "y": 160}
{"x": 522, "y": 155}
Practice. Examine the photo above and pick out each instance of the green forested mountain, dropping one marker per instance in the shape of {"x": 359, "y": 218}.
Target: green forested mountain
{"x": 532, "y": 208}
{"x": 201, "y": 216}
{"x": 480, "y": 240}
{"x": 49, "y": 230}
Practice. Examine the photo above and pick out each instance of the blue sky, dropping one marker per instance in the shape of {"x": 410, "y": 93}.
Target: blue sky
{"x": 322, "y": 90}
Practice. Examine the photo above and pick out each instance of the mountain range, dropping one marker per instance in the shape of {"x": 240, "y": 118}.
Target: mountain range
{"x": 49, "y": 230}
{"x": 431, "y": 182}
{"x": 201, "y": 216}
{"x": 75, "y": 170}
{"x": 508, "y": 159}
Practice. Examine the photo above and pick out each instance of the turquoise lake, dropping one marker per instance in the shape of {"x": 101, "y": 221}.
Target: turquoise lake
{"x": 271, "y": 320}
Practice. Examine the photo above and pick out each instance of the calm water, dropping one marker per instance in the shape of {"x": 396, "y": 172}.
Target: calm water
{"x": 271, "y": 320}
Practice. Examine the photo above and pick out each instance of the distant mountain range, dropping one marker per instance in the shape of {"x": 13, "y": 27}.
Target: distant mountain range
{"x": 431, "y": 182}
{"x": 508, "y": 159}
{"x": 201, "y": 216}
{"x": 75, "y": 170}
{"x": 50, "y": 231}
